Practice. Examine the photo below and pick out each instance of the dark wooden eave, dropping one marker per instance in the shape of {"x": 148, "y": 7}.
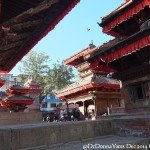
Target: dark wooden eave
{"x": 78, "y": 58}
{"x": 105, "y": 50}
{"x": 134, "y": 73}
{"x": 23, "y": 23}
{"x": 107, "y": 19}
{"x": 126, "y": 19}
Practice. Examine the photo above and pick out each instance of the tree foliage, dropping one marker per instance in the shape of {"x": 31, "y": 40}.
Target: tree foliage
{"x": 35, "y": 64}
{"x": 51, "y": 78}
{"x": 60, "y": 75}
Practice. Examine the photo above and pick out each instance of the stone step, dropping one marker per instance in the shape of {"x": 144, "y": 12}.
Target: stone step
{"x": 110, "y": 142}
{"x": 132, "y": 127}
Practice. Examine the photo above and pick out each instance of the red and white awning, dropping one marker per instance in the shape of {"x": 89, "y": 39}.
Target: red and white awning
{"x": 125, "y": 16}
{"x": 128, "y": 49}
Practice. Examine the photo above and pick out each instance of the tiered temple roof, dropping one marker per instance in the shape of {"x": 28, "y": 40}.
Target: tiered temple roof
{"x": 17, "y": 100}
{"x": 138, "y": 41}
{"x": 24, "y": 23}
{"x": 130, "y": 56}
{"x": 93, "y": 74}
{"x": 17, "y": 89}
{"x": 32, "y": 86}
{"x": 79, "y": 60}
{"x": 132, "y": 15}
{"x": 126, "y": 19}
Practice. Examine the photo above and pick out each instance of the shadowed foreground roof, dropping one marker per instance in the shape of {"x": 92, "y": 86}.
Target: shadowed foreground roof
{"x": 23, "y": 23}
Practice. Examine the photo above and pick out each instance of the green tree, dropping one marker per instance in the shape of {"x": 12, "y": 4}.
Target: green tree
{"x": 36, "y": 65}
{"x": 59, "y": 76}
{"x": 51, "y": 79}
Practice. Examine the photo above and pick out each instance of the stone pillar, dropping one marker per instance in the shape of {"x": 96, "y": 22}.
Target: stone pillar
{"x": 95, "y": 106}
{"x": 35, "y": 107}
{"x": 83, "y": 108}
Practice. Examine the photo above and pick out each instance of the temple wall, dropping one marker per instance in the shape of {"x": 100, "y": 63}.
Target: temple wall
{"x": 36, "y": 136}
{"x": 113, "y": 103}
{"x": 20, "y": 117}
{"x": 102, "y": 105}
{"x": 130, "y": 94}
{"x": 126, "y": 95}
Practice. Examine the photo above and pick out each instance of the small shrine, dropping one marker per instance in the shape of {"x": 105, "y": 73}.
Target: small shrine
{"x": 17, "y": 100}
{"x": 94, "y": 92}
{"x": 34, "y": 90}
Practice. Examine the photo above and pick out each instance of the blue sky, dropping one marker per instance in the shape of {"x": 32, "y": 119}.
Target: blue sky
{"x": 71, "y": 36}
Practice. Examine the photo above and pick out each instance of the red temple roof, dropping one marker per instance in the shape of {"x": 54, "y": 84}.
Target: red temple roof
{"x": 32, "y": 86}
{"x": 25, "y": 23}
{"x": 125, "y": 47}
{"x": 74, "y": 60}
{"x": 18, "y": 89}
{"x": 122, "y": 14}
{"x": 17, "y": 99}
{"x": 87, "y": 83}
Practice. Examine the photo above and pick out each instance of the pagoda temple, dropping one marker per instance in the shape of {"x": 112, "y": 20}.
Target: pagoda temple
{"x": 129, "y": 55}
{"x": 94, "y": 92}
{"x": 24, "y": 23}
{"x": 17, "y": 99}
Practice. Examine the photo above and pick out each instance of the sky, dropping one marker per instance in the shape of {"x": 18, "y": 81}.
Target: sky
{"x": 71, "y": 35}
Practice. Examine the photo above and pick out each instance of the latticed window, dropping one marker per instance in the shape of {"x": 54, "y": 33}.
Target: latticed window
{"x": 138, "y": 91}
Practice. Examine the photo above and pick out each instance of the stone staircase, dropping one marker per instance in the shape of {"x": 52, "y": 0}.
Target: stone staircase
{"x": 128, "y": 126}
{"x": 129, "y": 133}
{"x": 109, "y": 142}
{"x": 124, "y": 133}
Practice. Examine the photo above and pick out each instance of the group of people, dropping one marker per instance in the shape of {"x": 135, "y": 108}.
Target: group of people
{"x": 71, "y": 115}
{"x": 50, "y": 117}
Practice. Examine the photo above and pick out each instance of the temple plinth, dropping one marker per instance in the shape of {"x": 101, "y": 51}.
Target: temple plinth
{"x": 34, "y": 90}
